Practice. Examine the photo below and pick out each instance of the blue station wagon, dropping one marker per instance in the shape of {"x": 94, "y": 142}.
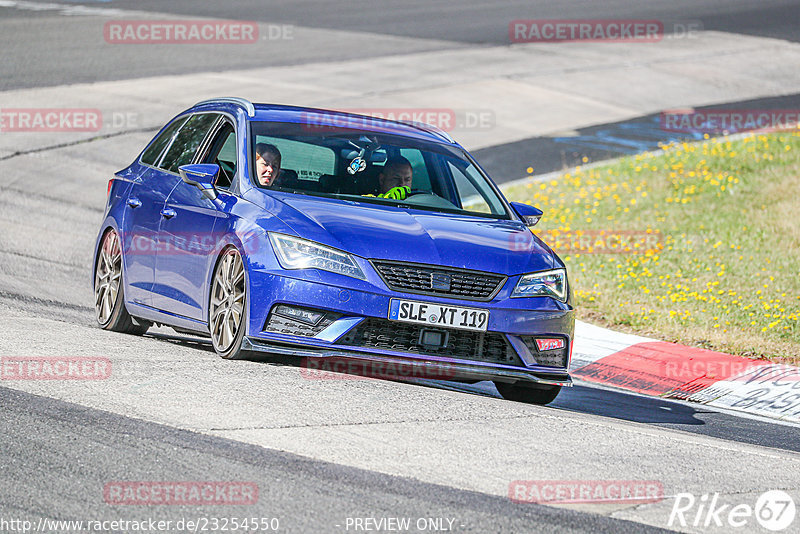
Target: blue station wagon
{"x": 333, "y": 236}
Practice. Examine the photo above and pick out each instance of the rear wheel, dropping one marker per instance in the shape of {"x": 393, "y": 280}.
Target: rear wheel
{"x": 109, "y": 300}
{"x": 528, "y": 393}
{"x": 227, "y": 312}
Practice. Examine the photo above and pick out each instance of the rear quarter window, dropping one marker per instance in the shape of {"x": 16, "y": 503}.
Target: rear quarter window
{"x": 188, "y": 140}
{"x": 157, "y": 145}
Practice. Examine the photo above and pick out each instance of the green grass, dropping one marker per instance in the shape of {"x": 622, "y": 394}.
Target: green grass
{"x": 718, "y": 265}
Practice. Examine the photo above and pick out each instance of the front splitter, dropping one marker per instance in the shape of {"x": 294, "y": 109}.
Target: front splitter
{"x": 407, "y": 367}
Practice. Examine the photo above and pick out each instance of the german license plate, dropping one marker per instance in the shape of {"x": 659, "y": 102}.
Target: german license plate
{"x": 409, "y": 311}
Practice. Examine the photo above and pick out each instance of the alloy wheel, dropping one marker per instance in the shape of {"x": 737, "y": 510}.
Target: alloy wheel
{"x": 227, "y": 301}
{"x": 107, "y": 277}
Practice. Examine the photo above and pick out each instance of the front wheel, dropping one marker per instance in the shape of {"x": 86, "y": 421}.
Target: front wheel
{"x": 228, "y": 310}
{"x": 109, "y": 300}
{"x": 531, "y": 394}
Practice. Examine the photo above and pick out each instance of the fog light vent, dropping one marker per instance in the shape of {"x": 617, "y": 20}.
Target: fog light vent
{"x": 547, "y": 351}
{"x": 298, "y": 321}
{"x": 303, "y": 315}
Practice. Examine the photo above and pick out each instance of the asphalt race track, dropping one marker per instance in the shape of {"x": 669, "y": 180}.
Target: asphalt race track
{"x": 28, "y": 33}
{"x": 325, "y": 452}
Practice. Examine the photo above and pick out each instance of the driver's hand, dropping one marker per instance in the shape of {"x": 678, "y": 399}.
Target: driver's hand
{"x": 397, "y": 193}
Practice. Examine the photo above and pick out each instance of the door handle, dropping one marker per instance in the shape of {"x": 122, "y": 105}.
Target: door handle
{"x": 168, "y": 213}
{"x": 134, "y": 202}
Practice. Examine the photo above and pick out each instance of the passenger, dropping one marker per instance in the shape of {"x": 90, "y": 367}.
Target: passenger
{"x": 395, "y": 178}
{"x": 268, "y": 164}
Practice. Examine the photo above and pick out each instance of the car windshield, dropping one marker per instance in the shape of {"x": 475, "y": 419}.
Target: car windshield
{"x": 371, "y": 167}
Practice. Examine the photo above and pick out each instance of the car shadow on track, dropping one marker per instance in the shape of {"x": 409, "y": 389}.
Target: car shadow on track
{"x": 579, "y": 398}
{"x": 676, "y": 415}
{"x": 582, "y": 398}
{"x": 599, "y": 401}
{"x": 626, "y": 406}
{"x": 199, "y": 343}
{"x": 204, "y": 344}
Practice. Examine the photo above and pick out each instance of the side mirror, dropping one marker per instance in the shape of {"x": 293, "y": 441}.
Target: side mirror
{"x": 202, "y": 176}
{"x": 529, "y": 214}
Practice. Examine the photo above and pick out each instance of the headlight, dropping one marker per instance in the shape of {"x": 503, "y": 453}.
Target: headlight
{"x": 296, "y": 253}
{"x": 545, "y": 284}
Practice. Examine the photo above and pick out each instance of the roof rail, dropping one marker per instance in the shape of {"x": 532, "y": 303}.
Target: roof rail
{"x": 429, "y": 128}
{"x": 242, "y": 102}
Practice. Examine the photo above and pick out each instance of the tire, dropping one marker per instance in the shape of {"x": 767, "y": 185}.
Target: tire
{"x": 528, "y": 394}
{"x": 109, "y": 298}
{"x": 227, "y": 310}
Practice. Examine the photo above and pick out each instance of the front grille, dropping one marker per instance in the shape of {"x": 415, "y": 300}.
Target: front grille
{"x": 462, "y": 344}
{"x": 280, "y": 324}
{"x": 546, "y": 358}
{"x": 447, "y": 282}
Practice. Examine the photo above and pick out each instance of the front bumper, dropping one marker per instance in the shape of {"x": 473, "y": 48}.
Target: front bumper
{"x": 513, "y": 319}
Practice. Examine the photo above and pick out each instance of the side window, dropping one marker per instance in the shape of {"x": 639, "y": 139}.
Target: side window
{"x": 421, "y": 179}
{"x": 307, "y": 160}
{"x": 472, "y": 198}
{"x": 188, "y": 140}
{"x": 222, "y": 151}
{"x": 150, "y": 155}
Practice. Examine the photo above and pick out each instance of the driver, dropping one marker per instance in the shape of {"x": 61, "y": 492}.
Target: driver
{"x": 395, "y": 178}
{"x": 268, "y": 164}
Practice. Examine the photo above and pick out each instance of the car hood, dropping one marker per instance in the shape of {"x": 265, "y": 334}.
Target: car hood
{"x": 381, "y": 232}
